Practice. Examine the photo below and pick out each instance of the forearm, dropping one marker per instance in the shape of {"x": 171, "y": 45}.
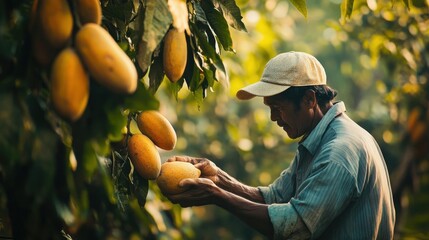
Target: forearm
{"x": 232, "y": 185}
{"x": 252, "y": 213}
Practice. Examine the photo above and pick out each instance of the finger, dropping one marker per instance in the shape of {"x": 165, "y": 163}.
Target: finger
{"x": 178, "y": 158}
{"x": 171, "y": 159}
{"x": 202, "y": 163}
{"x": 188, "y": 182}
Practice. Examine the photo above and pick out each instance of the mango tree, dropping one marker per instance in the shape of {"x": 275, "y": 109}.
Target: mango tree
{"x": 69, "y": 94}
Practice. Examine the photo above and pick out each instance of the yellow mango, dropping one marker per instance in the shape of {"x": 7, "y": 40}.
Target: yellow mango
{"x": 89, "y": 11}
{"x": 144, "y": 156}
{"x": 42, "y": 51}
{"x": 106, "y": 62}
{"x": 175, "y": 54}
{"x": 56, "y": 21}
{"x": 157, "y": 127}
{"x": 172, "y": 173}
{"x": 69, "y": 85}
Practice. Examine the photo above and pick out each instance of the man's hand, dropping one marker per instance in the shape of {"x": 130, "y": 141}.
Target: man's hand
{"x": 208, "y": 168}
{"x": 200, "y": 191}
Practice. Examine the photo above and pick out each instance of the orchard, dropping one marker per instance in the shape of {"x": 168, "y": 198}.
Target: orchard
{"x": 87, "y": 88}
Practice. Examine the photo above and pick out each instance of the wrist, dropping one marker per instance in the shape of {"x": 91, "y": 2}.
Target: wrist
{"x": 223, "y": 180}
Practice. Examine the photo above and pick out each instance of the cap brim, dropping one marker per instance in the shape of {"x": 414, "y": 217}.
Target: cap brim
{"x": 260, "y": 89}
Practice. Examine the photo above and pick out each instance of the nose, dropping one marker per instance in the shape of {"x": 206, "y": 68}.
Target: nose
{"x": 274, "y": 115}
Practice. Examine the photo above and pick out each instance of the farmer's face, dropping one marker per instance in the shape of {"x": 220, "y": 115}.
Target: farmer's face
{"x": 295, "y": 121}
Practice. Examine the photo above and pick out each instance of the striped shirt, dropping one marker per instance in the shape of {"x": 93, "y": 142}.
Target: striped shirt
{"x": 337, "y": 186}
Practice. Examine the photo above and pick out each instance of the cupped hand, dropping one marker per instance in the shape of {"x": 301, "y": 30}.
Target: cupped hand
{"x": 199, "y": 192}
{"x": 208, "y": 168}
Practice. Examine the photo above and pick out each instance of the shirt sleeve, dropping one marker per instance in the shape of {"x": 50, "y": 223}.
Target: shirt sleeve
{"x": 282, "y": 189}
{"x": 323, "y": 196}
{"x": 286, "y": 222}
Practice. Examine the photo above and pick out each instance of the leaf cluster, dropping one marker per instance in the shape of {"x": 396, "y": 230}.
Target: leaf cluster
{"x": 73, "y": 173}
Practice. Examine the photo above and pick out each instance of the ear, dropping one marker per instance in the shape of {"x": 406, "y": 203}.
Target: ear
{"x": 309, "y": 99}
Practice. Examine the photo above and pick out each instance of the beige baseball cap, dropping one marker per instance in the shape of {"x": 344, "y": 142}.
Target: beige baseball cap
{"x": 284, "y": 71}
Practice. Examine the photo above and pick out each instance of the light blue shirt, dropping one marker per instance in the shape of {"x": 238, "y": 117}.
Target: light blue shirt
{"x": 337, "y": 186}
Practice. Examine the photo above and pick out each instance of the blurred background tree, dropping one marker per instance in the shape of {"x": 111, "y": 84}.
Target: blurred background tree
{"x": 375, "y": 54}
{"x": 377, "y": 60}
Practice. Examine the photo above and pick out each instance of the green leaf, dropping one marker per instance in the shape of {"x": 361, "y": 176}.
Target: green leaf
{"x": 116, "y": 11}
{"x": 190, "y": 68}
{"x": 407, "y": 4}
{"x": 209, "y": 74}
{"x": 140, "y": 188}
{"x": 218, "y": 24}
{"x": 200, "y": 15}
{"x": 346, "y": 9}
{"x": 141, "y": 100}
{"x": 106, "y": 179}
{"x": 208, "y": 51}
{"x": 156, "y": 74}
{"x": 174, "y": 88}
{"x": 301, "y": 5}
{"x": 116, "y": 121}
{"x": 155, "y": 20}
{"x": 89, "y": 160}
{"x": 231, "y": 12}
{"x": 420, "y": 4}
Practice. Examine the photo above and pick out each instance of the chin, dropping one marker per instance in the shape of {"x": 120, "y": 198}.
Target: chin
{"x": 292, "y": 136}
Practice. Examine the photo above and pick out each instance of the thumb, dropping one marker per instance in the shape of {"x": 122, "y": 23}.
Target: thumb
{"x": 186, "y": 182}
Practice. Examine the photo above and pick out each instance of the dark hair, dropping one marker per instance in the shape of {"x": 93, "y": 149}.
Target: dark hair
{"x": 323, "y": 93}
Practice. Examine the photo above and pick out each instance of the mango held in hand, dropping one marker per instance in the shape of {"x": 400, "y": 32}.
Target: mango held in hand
{"x": 56, "y": 21}
{"x": 144, "y": 156}
{"x": 105, "y": 60}
{"x": 154, "y": 125}
{"x": 174, "y": 172}
{"x": 69, "y": 85}
{"x": 175, "y": 54}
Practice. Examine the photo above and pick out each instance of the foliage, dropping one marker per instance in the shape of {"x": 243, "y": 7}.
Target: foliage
{"x": 399, "y": 40}
{"x": 77, "y": 175}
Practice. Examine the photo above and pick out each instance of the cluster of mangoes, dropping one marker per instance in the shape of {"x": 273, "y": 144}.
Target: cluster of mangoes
{"x": 157, "y": 131}
{"x": 68, "y": 39}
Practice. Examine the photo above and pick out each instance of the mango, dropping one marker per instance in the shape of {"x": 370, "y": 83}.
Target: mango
{"x": 69, "y": 85}
{"x": 175, "y": 54}
{"x": 157, "y": 127}
{"x": 42, "y": 51}
{"x": 89, "y": 11}
{"x": 56, "y": 21}
{"x": 144, "y": 156}
{"x": 106, "y": 62}
{"x": 172, "y": 173}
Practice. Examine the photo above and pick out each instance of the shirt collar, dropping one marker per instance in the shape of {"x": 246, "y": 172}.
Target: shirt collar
{"x": 311, "y": 143}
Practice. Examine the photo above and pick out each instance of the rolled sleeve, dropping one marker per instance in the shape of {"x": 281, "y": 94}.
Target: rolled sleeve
{"x": 286, "y": 222}
{"x": 266, "y": 194}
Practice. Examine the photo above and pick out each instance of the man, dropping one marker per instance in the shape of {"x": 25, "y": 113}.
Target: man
{"x": 337, "y": 186}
